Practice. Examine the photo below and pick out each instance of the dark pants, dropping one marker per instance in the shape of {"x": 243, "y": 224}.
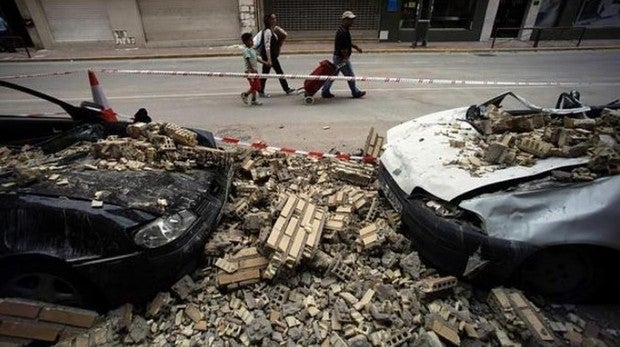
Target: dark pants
{"x": 7, "y": 42}
{"x": 347, "y": 70}
{"x": 278, "y": 69}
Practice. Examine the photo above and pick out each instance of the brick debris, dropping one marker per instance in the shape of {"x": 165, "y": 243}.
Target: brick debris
{"x": 507, "y": 140}
{"x": 307, "y": 254}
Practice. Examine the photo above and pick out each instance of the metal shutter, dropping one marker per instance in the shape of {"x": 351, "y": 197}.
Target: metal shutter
{"x": 77, "y": 20}
{"x": 165, "y": 20}
{"x": 304, "y": 15}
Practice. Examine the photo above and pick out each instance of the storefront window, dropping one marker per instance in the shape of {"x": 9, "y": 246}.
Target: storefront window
{"x": 446, "y": 13}
{"x": 407, "y": 14}
{"x": 599, "y": 13}
{"x": 452, "y": 14}
{"x": 548, "y": 13}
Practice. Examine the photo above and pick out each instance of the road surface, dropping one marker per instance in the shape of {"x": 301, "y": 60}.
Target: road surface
{"x": 341, "y": 123}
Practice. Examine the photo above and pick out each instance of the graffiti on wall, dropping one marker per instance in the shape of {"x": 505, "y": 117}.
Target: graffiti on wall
{"x": 122, "y": 39}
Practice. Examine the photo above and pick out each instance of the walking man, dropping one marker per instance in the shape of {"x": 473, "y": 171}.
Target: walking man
{"x": 342, "y": 55}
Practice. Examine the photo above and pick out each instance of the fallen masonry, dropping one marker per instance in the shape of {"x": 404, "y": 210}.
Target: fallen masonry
{"x": 25, "y": 322}
{"x": 311, "y": 257}
{"x": 337, "y": 289}
{"x": 509, "y": 140}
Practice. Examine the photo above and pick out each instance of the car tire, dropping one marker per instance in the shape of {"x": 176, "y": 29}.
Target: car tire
{"x": 46, "y": 281}
{"x": 563, "y": 274}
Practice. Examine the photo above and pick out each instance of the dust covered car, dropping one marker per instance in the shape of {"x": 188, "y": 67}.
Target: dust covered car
{"x": 529, "y": 195}
{"x": 95, "y": 212}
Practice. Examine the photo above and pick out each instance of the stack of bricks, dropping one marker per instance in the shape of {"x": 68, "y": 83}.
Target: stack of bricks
{"x": 164, "y": 145}
{"x": 433, "y": 287}
{"x": 369, "y": 237}
{"x": 244, "y": 268}
{"x": 181, "y": 135}
{"x": 358, "y": 174}
{"x": 374, "y": 144}
{"x": 295, "y": 233}
{"x": 516, "y": 312}
{"x": 24, "y": 321}
{"x": 536, "y": 147}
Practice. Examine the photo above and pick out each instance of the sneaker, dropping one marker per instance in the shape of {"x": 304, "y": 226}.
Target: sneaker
{"x": 264, "y": 95}
{"x": 290, "y": 91}
{"x": 327, "y": 95}
{"x": 244, "y": 97}
{"x": 256, "y": 103}
{"x": 359, "y": 94}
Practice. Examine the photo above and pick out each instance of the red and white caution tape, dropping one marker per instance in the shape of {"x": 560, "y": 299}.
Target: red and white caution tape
{"x": 39, "y": 75}
{"x": 43, "y": 114}
{"x": 309, "y": 77}
{"x": 338, "y": 78}
{"x": 263, "y": 146}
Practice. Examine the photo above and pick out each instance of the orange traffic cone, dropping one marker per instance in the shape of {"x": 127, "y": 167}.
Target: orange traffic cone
{"x": 99, "y": 98}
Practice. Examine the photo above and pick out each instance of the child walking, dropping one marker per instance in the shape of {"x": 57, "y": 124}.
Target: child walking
{"x": 251, "y": 66}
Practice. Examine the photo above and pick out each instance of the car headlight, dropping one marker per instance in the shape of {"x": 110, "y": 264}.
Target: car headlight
{"x": 164, "y": 229}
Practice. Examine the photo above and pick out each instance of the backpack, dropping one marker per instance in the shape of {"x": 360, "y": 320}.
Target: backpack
{"x": 258, "y": 41}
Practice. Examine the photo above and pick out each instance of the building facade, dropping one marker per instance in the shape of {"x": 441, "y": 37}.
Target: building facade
{"x": 58, "y": 24}
{"x": 136, "y": 23}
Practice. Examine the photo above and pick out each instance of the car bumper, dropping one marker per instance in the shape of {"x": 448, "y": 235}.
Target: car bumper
{"x": 448, "y": 244}
{"x": 136, "y": 277}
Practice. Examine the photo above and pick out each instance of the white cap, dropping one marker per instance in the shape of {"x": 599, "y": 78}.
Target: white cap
{"x": 348, "y": 14}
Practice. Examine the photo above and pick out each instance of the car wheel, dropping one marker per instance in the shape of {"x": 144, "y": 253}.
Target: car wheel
{"x": 563, "y": 274}
{"x": 52, "y": 284}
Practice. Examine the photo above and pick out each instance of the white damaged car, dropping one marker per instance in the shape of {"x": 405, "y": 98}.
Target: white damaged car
{"x": 529, "y": 195}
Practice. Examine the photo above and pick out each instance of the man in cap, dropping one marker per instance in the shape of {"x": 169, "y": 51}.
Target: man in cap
{"x": 342, "y": 53}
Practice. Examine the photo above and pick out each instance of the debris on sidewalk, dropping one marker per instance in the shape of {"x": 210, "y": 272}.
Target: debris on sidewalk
{"x": 280, "y": 275}
{"x": 307, "y": 253}
{"x": 27, "y": 322}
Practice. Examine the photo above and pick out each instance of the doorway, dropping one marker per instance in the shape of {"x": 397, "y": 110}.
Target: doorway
{"x": 510, "y": 14}
{"x": 17, "y": 27}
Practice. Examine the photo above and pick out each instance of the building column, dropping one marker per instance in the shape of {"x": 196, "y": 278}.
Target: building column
{"x": 530, "y": 19}
{"x": 40, "y": 26}
{"x": 30, "y": 27}
{"x": 247, "y": 16}
{"x": 489, "y": 20}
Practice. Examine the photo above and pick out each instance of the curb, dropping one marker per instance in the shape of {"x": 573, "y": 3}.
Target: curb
{"x": 319, "y": 51}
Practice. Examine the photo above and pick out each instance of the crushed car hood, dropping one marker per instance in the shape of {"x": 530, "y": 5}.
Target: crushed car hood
{"x": 132, "y": 189}
{"x": 577, "y": 213}
{"x": 416, "y": 155}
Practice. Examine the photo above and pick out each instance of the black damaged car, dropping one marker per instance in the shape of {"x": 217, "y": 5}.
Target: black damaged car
{"x": 57, "y": 248}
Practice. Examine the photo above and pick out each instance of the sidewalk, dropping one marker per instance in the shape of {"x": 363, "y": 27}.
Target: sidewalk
{"x": 305, "y": 47}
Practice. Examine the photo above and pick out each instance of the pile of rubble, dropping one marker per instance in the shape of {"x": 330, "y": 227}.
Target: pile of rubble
{"x": 150, "y": 146}
{"x": 156, "y": 146}
{"x": 509, "y": 140}
{"x": 307, "y": 254}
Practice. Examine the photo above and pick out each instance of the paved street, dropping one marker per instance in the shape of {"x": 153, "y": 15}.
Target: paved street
{"x": 214, "y": 103}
